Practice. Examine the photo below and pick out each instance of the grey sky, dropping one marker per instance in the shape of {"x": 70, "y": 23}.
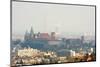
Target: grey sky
{"x": 53, "y": 17}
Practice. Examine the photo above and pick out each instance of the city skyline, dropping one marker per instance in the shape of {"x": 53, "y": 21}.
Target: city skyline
{"x": 49, "y": 33}
{"x": 63, "y": 35}
{"x": 74, "y": 20}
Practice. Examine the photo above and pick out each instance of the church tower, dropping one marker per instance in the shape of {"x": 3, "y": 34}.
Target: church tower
{"x": 26, "y": 37}
{"x": 31, "y": 33}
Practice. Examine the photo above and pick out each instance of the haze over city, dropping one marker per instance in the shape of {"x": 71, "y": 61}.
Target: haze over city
{"x": 69, "y": 19}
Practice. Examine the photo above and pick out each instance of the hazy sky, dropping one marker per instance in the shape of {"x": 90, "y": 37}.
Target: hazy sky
{"x": 52, "y": 17}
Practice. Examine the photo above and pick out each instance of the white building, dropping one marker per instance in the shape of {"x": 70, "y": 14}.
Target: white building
{"x": 29, "y": 52}
{"x": 72, "y": 53}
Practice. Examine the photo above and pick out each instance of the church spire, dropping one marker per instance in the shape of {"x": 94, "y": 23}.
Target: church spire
{"x": 26, "y": 37}
{"x": 31, "y": 33}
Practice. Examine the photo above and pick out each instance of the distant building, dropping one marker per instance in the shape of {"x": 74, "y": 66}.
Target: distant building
{"x": 72, "y": 53}
{"x": 26, "y": 36}
{"x": 43, "y": 36}
{"x": 53, "y": 35}
{"x": 82, "y": 40}
{"x": 29, "y": 52}
{"x": 29, "y": 36}
{"x": 54, "y": 42}
{"x": 91, "y": 50}
{"x": 73, "y": 41}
